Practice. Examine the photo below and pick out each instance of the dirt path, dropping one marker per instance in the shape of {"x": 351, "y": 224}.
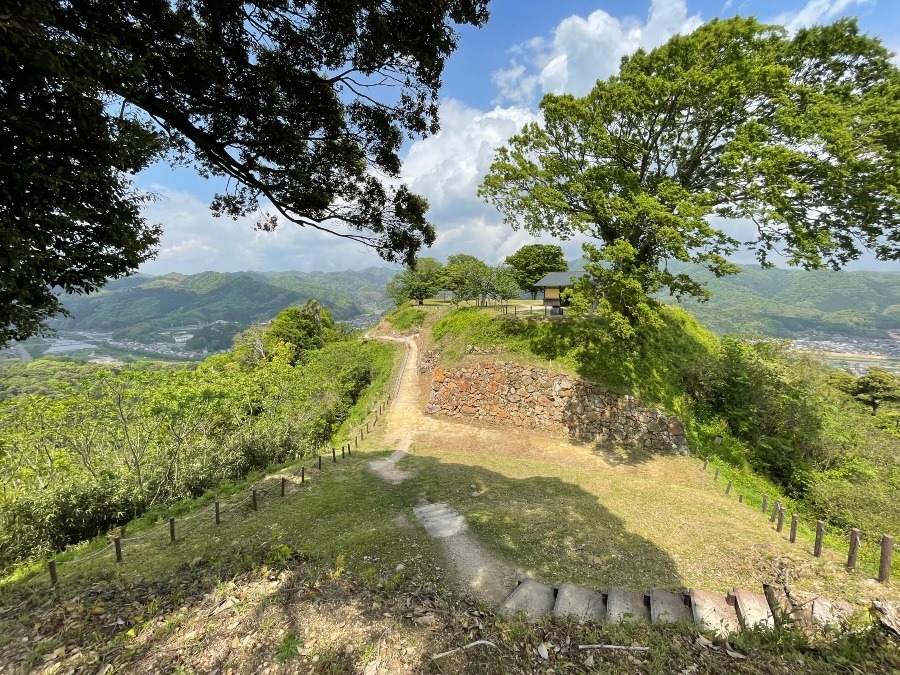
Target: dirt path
{"x": 476, "y": 571}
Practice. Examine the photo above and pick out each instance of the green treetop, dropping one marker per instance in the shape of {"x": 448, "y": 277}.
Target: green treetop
{"x": 532, "y": 262}
{"x": 799, "y": 134}
{"x": 419, "y": 282}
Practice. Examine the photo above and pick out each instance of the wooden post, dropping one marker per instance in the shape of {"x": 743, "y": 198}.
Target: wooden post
{"x": 283, "y": 483}
{"x": 728, "y": 488}
{"x": 52, "y": 567}
{"x": 854, "y": 548}
{"x": 172, "y": 530}
{"x": 795, "y": 519}
{"x": 342, "y": 452}
{"x": 765, "y": 504}
{"x": 716, "y": 474}
{"x": 887, "y": 550}
{"x": 333, "y": 455}
{"x": 117, "y": 542}
{"x": 740, "y": 499}
{"x": 775, "y": 510}
{"x": 348, "y": 447}
{"x": 780, "y": 526}
{"x": 820, "y": 533}
{"x": 320, "y": 462}
{"x": 367, "y": 426}
{"x": 217, "y": 513}
{"x": 355, "y": 442}
{"x": 302, "y": 475}
{"x": 253, "y": 498}
{"x": 705, "y": 463}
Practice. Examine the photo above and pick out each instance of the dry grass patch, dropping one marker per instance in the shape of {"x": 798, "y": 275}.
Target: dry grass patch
{"x": 568, "y": 514}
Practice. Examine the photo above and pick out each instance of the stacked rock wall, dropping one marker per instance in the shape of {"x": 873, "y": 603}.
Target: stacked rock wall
{"x": 533, "y": 398}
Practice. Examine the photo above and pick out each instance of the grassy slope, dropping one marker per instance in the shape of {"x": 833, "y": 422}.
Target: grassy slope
{"x": 647, "y": 498}
{"x": 310, "y": 582}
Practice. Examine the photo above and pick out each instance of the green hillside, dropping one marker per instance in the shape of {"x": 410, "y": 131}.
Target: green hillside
{"x": 787, "y": 303}
{"x": 138, "y": 307}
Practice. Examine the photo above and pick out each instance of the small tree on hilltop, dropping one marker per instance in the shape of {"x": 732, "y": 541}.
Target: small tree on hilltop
{"x": 421, "y": 281}
{"x": 532, "y": 262}
{"x": 467, "y": 277}
{"x": 796, "y": 134}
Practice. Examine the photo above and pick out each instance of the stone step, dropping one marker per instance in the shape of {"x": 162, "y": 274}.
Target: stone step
{"x": 441, "y": 521}
{"x": 753, "y": 610}
{"x": 668, "y": 607}
{"x": 713, "y": 613}
{"x": 426, "y": 509}
{"x": 831, "y": 615}
{"x": 623, "y": 605}
{"x": 584, "y": 604}
{"x": 532, "y": 598}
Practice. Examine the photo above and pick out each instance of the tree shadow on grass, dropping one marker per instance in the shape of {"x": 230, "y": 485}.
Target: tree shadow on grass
{"x": 553, "y": 528}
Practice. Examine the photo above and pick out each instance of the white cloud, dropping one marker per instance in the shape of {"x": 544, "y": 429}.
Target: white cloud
{"x": 194, "y": 241}
{"x": 815, "y": 12}
{"x": 447, "y": 169}
{"x": 585, "y": 49}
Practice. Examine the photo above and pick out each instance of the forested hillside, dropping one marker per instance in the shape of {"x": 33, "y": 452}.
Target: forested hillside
{"x": 786, "y": 303}
{"x": 781, "y": 302}
{"x": 83, "y": 448}
{"x": 138, "y": 307}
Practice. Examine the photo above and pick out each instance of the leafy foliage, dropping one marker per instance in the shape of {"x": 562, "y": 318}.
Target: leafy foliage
{"x": 103, "y": 450}
{"x": 69, "y": 215}
{"x": 419, "y": 282}
{"x": 301, "y": 106}
{"x": 469, "y": 278}
{"x": 736, "y": 119}
{"x": 532, "y": 262}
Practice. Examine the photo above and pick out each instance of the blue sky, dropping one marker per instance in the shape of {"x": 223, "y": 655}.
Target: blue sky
{"x": 492, "y": 85}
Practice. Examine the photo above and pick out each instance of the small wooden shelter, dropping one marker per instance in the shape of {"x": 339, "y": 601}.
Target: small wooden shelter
{"x": 553, "y": 284}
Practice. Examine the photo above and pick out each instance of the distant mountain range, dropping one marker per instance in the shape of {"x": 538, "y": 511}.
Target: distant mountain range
{"x": 790, "y": 302}
{"x": 140, "y": 306}
{"x": 774, "y": 302}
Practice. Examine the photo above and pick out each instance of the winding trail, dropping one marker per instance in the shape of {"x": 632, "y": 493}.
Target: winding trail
{"x": 475, "y": 569}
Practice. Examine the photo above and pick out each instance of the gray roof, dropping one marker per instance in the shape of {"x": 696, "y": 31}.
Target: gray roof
{"x": 559, "y": 279}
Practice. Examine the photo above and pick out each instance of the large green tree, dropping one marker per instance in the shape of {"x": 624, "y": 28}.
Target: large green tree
{"x": 532, "y": 262}
{"x": 301, "y": 106}
{"x": 797, "y": 133}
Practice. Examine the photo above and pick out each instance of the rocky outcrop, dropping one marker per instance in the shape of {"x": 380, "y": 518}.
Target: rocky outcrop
{"x": 533, "y": 398}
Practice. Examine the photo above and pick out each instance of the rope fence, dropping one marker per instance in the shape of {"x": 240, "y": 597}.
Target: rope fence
{"x": 55, "y": 569}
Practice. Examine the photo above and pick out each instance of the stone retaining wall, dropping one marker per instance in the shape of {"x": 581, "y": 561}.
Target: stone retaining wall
{"x": 532, "y": 398}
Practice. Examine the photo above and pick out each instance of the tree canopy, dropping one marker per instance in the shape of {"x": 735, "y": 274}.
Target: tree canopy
{"x": 419, "y": 282}
{"x": 532, "y": 262}
{"x": 797, "y": 134}
{"x": 301, "y": 106}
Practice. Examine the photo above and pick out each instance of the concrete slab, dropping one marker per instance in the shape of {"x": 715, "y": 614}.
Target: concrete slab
{"x": 532, "y": 598}
{"x": 622, "y": 605}
{"x": 579, "y": 602}
{"x": 713, "y": 613}
{"x": 668, "y": 607}
{"x": 753, "y": 610}
{"x": 829, "y": 615}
